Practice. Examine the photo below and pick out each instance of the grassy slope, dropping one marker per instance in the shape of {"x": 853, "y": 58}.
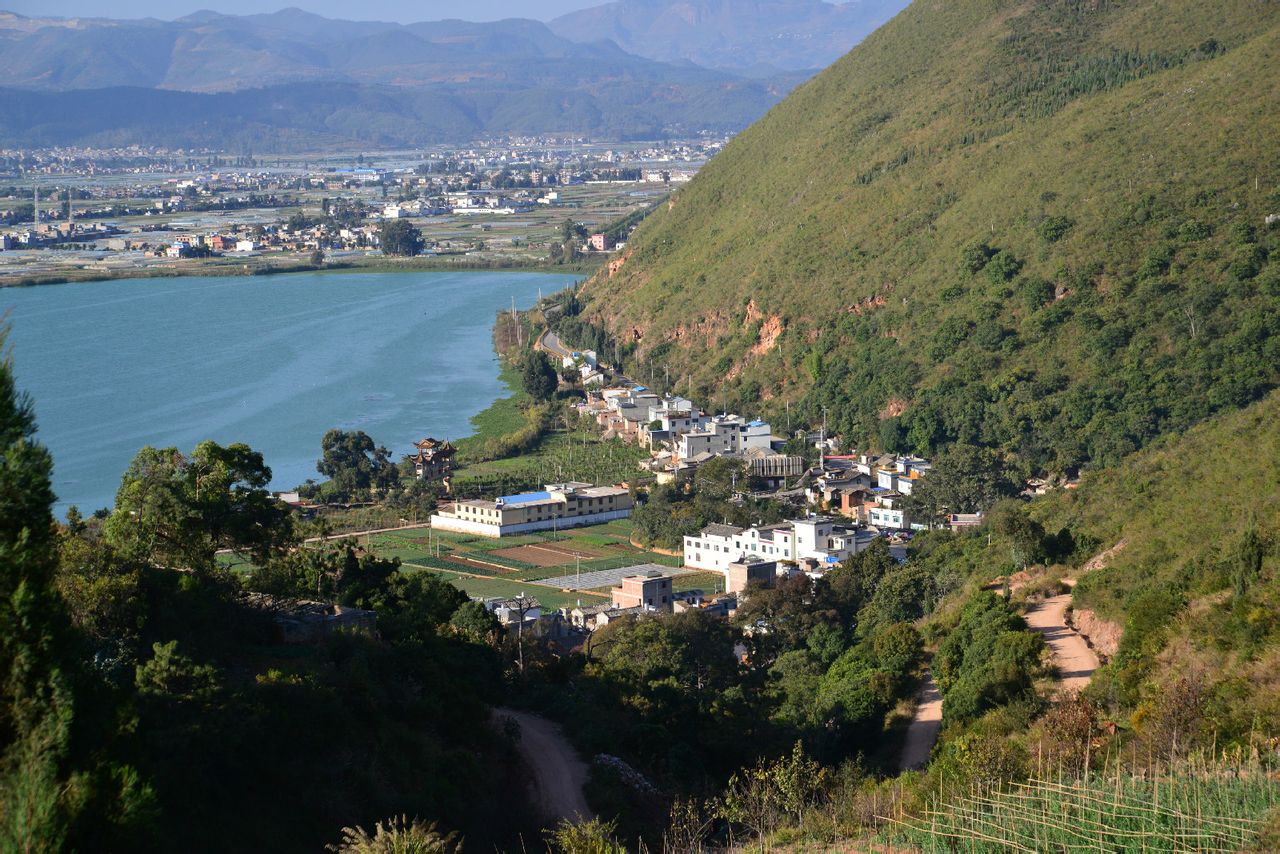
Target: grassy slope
{"x": 972, "y": 121}
{"x": 1184, "y": 507}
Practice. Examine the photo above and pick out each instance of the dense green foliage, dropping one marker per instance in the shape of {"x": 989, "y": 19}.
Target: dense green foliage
{"x": 669, "y": 513}
{"x": 355, "y": 465}
{"x": 990, "y": 659}
{"x": 137, "y": 673}
{"x": 39, "y": 798}
{"x": 180, "y": 510}
{"x": 824, "y": 666}
{"x": 993, "y": 223}
{"x": 400, "y": 237}
{"x": 538, "y": 376}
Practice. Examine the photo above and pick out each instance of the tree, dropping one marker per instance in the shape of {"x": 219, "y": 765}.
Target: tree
{"x": 37, "y": 796}
{"x": 720, "y": 477}
{"x": 965, "y": 479}
{"x": 173, "y": 675}
{"x": 178, "y": 511}
{"x": 400, "y": 237}
{"x": 853, "y": 583}
{"x": 354, "y": 464}
{"x": 571, "y": 231}
{"x": 538, "y": 376}
{"x": 1025, "y": 535}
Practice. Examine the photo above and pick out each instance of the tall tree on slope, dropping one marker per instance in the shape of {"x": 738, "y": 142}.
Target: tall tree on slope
{"x": 37, "y": 796}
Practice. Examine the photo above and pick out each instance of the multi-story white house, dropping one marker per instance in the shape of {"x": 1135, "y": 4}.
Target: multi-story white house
{"x": 817, "y": 539}
{"x": 725, "y": 435}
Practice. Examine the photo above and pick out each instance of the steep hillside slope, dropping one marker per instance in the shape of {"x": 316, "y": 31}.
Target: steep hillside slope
{"x": 1039, "y": 226}
{"x": 1195, "y": 584}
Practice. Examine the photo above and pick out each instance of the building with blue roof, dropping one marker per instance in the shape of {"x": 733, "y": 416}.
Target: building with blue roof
{"x": 558, "y": 505}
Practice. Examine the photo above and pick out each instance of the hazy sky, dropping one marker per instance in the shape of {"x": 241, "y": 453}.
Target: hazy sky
{"x": 404, "y": 11}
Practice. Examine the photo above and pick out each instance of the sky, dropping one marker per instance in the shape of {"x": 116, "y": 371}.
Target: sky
{"x": 404, "y": 11}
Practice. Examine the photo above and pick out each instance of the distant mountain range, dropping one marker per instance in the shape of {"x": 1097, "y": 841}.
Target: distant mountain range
{"x": 293, "y": 78}
{"x": 752, "y": 36}
{"x": 209, "y": 52}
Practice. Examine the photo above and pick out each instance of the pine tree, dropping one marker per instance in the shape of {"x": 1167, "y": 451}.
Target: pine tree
{"x": 36, "y": 796}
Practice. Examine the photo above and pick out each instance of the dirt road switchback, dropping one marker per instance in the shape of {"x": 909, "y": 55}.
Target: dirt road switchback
{"x": 558, "y": 772}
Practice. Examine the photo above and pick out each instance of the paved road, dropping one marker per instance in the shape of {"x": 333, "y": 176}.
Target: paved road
{"x": 558, "y": 772}
{"x": 552, "y": 344}
{"x": 1072, "y": 657}
{"x": 925, "y": 726}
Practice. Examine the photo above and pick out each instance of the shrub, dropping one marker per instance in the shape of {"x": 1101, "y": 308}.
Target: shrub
{"x": 1053, "y": 228}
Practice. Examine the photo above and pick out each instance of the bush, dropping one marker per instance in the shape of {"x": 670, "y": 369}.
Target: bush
{"x": 1053, "y": 228}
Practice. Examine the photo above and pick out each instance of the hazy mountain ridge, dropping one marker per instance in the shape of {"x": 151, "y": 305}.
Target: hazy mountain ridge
{"x": 308, "y": 115}
{"x": 211, "y": 53}
{"x": 732, "y": 34}
{"x": 291, "y": 78}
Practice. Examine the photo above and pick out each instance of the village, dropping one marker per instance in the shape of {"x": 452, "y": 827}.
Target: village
{"x": 96, "y": 212}
{"x": 841, "y": 503}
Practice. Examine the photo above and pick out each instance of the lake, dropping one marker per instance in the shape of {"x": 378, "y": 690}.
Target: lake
{"x": 272, "y": 361}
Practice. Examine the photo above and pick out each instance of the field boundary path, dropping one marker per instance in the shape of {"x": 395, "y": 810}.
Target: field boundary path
{"x": 559, "y": 774}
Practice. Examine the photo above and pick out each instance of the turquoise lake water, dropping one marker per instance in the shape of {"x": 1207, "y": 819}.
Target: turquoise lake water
{"x": 270, "y": 361}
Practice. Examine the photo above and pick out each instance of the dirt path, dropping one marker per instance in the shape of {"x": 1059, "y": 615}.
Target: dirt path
{"x": 1072, "y": 657}
{"x": 925, "y": 726}
{"x": 558, "y": 772}
{"x": 1074, "y": 661}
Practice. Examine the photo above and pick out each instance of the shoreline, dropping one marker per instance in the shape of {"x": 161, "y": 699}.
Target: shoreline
{"x": 212, "y": 267}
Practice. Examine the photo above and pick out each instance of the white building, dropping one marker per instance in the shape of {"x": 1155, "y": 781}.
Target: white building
{"x": 817, "y": 539}
{"x": 560, "y": 505}
{"x": 725, "y": 435}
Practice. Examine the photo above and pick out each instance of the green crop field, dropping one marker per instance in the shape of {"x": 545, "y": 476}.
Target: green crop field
{"x": 550, "y": 597}
{"x": 489, "y": 574}
{"x": 1194, "y": 807}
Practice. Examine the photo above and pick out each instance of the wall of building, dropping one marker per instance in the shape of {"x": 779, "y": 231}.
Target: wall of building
{"x": 466, "y": 526}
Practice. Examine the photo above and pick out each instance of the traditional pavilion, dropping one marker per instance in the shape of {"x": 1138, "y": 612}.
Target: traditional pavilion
{"x": 434, "y": 459}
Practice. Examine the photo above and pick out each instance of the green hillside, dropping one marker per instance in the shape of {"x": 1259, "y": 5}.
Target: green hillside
{"x": 1196, "y": 582}
{"x": 1034, "y": 226}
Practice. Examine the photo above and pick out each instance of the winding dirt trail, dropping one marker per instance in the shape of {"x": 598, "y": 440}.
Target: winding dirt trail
{"x": 1074, "y": 660}
{"x": 559, "y": 774}
{"x": 925, "y": 726}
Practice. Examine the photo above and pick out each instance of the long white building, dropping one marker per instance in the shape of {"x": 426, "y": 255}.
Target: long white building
{"x": 560, "y": 505}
